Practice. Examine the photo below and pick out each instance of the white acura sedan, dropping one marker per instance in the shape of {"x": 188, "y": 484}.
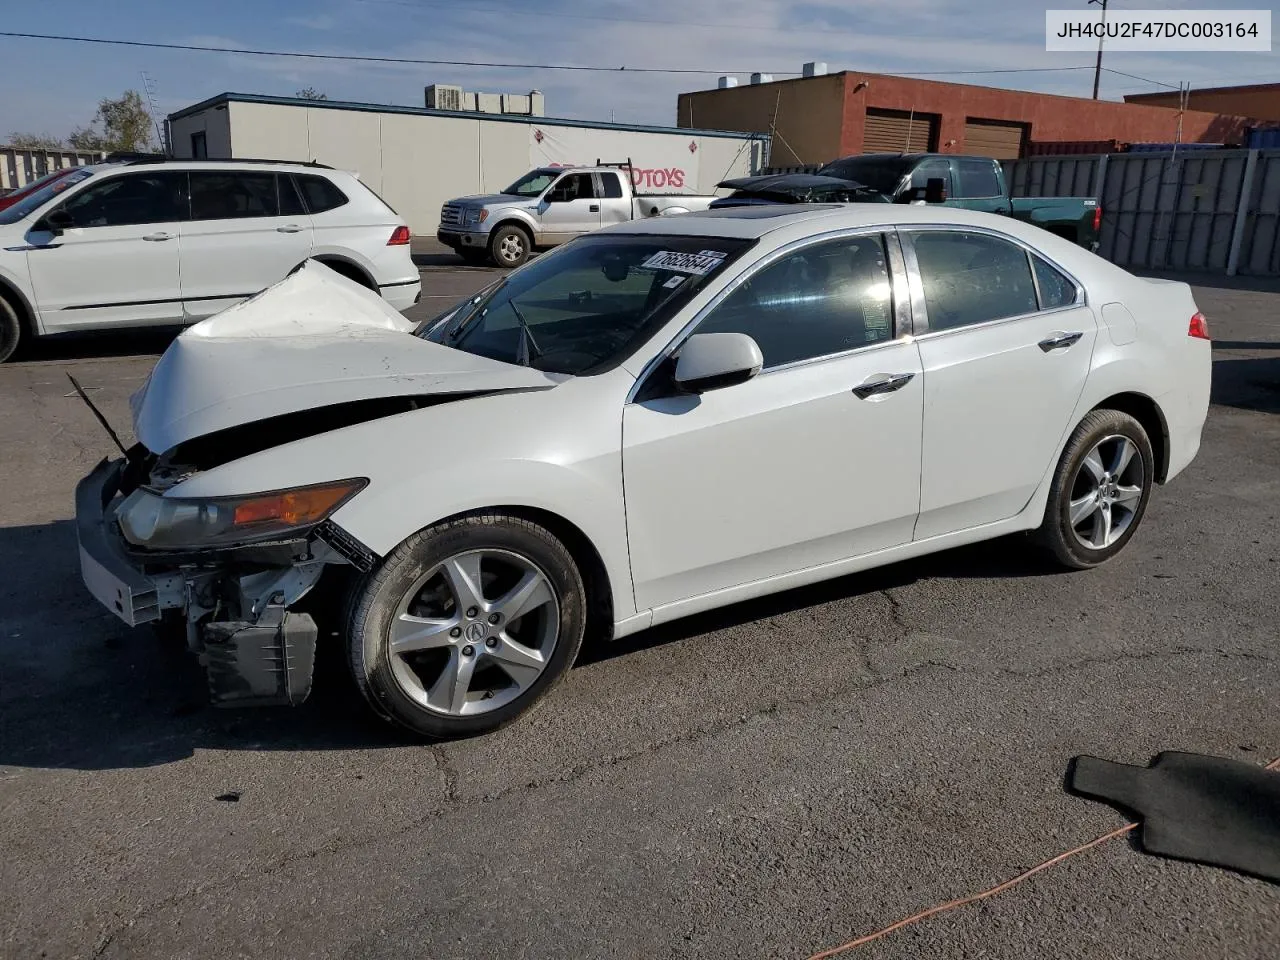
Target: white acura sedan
{"x": 653, "y": 420}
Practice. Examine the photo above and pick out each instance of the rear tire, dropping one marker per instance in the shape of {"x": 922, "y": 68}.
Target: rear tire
{"x": 466, "y": 625}
{"x": 509, "y": 246}
{"x": 1100, "y": 490}
{"x": 10, "y": 329}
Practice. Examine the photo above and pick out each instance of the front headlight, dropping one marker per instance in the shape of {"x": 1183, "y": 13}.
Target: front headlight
{"x": 477, "y": 216}
{"x": 169, "y": 523}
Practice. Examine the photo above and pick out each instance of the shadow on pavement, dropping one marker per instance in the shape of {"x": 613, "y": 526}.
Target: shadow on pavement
{"x": 80, "y": 690}
{"x": 1220, "y": 281}
{"x": 1249, "y": 384}
{"x": 94, "y": 345}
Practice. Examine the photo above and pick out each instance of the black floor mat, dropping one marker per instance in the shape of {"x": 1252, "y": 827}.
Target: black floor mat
{"x": 1204, "y": 809}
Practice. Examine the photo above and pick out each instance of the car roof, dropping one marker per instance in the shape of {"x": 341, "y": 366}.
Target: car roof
{"x": 162, "y": 163}
{"x": 754, "y": 222}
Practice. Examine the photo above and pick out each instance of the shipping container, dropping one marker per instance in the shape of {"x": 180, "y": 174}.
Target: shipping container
{"x": 1264, "y": 138}
{"x": 1063, "y": 148}
{"x": 1169, "y": 147}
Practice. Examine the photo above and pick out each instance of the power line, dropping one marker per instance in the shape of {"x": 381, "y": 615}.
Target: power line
{"x": 422, "y": 61}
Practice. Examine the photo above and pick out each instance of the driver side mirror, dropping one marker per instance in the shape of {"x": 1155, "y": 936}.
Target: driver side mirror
{"x": 709, "y": 361}
{"x": 57, "y": 221}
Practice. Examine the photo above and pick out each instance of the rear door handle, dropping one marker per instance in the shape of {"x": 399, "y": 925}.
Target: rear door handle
{"x": 882, "y": 384}
{"x": 157, "y": 237}
{"x": 594, "y": 208}
{"x": 289, "y": 228}
{"x": 1060, "y": 341}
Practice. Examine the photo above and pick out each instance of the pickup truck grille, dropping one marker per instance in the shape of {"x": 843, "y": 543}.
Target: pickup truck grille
{"x": 450, "y": 215}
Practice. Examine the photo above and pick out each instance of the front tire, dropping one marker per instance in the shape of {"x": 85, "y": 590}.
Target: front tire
{"x": 10, "y": 330}
{"x": 1100, "y": 490}
{"x": 509, "y": 246}
{"x": 467, "y": 625}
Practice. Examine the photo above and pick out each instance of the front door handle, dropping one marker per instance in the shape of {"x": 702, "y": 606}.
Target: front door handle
{"x": 882, "y": 384}
{"x": 289, "y": 228}
{"x": 594, "y": 208}
{"x": 157, "y": 237}
{"x": 1060, "y": 341}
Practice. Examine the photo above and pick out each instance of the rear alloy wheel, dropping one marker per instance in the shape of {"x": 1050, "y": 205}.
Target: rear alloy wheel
{"x": 467, "y": 625}
{"x": 10, "y": 330}
{"x": 1100, "y": 490}
{"x": 509, "y": 246}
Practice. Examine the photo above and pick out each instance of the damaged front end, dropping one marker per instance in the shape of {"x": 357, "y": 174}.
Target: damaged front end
{"x": 259, "y": 556}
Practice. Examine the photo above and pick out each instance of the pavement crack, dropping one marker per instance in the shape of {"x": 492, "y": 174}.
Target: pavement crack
{"x": 447, "y": 772}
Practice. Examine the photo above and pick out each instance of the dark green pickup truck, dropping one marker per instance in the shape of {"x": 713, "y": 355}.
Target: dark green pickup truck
{"x": 974, "y": 183}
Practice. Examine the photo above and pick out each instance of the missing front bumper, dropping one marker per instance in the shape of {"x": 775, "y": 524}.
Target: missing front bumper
{"x": 266, "y": 663}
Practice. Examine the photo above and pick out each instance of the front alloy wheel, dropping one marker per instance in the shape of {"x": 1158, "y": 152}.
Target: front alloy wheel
{"x": 466, "y": 625}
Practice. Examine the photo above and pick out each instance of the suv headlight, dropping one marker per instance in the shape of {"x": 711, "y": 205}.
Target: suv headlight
{"x": 168, "y": 523}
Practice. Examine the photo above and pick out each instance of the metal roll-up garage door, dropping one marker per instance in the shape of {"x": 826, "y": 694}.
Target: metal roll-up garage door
{"x": 894, "y": 131}
{"x": 989, "y": 138}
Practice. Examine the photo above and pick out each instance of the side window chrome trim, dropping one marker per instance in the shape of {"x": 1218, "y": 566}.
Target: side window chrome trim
{"x": 831, "y": 357}
{"x": 883, "y": 231}
{"x": 746, "y": 273}
{"x": 921, "y": 317}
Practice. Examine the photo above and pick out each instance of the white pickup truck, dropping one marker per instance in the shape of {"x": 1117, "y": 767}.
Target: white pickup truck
{"x": 549, "y": 206}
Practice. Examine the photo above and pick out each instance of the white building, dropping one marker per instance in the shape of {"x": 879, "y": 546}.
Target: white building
{"x": 416, "y": 158}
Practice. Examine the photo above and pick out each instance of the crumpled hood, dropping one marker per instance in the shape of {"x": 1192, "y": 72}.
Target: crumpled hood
{"x": 312, "y": 340}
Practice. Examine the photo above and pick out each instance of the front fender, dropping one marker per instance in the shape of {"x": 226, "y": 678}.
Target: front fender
{"x": 505, "y": 215}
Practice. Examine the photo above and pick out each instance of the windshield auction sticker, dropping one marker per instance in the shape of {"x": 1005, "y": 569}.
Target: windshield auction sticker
{"x": 1158, "y": 30}
{"x": 697, "y": 263}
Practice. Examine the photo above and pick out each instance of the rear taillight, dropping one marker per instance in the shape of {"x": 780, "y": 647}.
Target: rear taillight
{"x": 1199, "y": 327}
{"x": 1097, "y": 219}
{"x": 399, "y": 237}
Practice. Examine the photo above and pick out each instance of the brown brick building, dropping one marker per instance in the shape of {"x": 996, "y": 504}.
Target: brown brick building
{"x": 819, "y": 118}
{"x": 1260, "y": 100}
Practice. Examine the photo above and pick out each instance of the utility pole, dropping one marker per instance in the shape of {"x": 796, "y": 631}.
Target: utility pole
{"x": 1097, "y": 70}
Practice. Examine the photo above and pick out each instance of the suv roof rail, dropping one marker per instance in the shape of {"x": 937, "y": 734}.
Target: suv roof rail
{"x": 146, "y": 158}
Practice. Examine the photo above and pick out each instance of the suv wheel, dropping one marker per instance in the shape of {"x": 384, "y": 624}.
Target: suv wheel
{"x": 10, "y": 329}
{"x": 509, "y": 246}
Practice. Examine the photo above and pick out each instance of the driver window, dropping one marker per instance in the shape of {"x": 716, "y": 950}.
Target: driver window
{"x": 575, "y": 186}
{"x": 133, "y": 198}
{"x": 825, "y": 299}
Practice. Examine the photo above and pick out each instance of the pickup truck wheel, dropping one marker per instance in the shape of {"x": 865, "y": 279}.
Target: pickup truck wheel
{"x": 10, "y": 329}
{"x": 509, "y": 246}
{"x": 467, "y": 625}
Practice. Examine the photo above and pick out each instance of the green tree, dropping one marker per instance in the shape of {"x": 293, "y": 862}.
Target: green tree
{"x": 35, "y": 141}
{"x": 311, "y": 93}
{"x": 120, "y": 125}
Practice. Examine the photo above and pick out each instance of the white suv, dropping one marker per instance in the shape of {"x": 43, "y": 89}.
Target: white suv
{"x": 159, "y": 242}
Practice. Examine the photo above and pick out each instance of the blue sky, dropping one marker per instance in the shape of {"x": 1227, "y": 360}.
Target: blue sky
{"x": 63, "y": 81}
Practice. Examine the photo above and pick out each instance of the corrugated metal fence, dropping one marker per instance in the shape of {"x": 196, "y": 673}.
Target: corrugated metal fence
{"x": 20, "y": 167}
{"x": 1216, "y": 211}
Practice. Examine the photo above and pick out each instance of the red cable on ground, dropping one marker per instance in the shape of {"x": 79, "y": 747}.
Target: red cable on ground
{"x": 991, "y": 892}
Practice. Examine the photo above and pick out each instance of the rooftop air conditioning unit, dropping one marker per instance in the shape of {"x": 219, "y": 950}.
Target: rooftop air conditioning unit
{"x": 762, "y": 78}
{"x": 444, "y": 96}
{"x": 727, "y": 82}
{"x": 814, "y": 68}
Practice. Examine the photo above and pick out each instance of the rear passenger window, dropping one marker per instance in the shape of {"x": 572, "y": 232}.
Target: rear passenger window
{"x": 319, "y": 193}
{"x": 612, "y": 185}
{"x": 1056, "y": 289}
{"x": 825, "y": 299}
{"x": 233, "y": 195}
{"x": 972, "y": 278}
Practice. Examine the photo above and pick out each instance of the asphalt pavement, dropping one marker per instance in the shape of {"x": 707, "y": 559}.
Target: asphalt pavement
{"x": 764, "y": 781}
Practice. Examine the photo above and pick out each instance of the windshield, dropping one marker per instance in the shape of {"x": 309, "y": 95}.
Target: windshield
{"x": 879, "y": 173}
{"x": 532, "y": 183}
{"x": 586, "y": 306}
{"x": 33, "y": 201}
